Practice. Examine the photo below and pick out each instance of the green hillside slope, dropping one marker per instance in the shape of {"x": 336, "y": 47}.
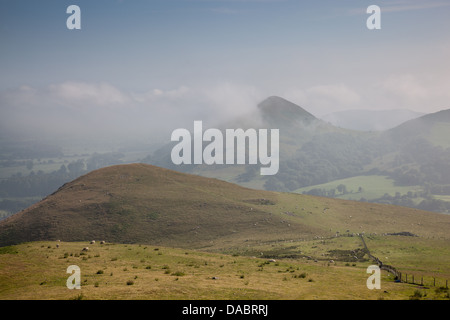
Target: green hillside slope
{"x": 192, "y": 221}
{"x": 140, "y": 203}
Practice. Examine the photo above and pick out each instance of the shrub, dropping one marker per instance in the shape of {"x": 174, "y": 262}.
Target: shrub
{"x": 441, "y": 290}
{"x": 79, "y": 297}
{"x": 130, "y": 282}
{"x": 417, "y": 295}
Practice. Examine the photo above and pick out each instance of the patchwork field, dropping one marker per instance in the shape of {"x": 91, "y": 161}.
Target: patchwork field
{"x": 372, "y": 186}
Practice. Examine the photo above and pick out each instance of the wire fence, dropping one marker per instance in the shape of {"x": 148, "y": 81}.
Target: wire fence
{"x": 406, "y": 278}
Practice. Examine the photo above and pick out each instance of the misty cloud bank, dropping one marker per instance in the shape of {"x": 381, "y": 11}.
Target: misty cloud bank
{"x": 100, "y": 110}
{"x": 90, "y": 110}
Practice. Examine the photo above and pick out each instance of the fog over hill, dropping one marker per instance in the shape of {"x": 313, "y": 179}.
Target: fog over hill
{"x": 313, "y": 151}
{"x": 370, "y": 120}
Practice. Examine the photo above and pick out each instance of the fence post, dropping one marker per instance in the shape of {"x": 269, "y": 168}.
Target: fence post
{"x": 434, "y": 282}
{"x": 413, "y": 279}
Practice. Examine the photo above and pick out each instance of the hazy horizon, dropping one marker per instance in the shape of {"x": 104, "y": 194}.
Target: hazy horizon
{"x": 138, "y": 67}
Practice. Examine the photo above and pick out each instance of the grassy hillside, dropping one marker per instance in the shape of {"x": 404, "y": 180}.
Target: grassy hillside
{"x": 140, "y": 203}
{"x": 118, "y": 271}
{"x": 187, "y": 229}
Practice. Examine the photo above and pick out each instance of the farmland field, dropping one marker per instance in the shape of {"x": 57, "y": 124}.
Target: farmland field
{"x": 372, "y": 187}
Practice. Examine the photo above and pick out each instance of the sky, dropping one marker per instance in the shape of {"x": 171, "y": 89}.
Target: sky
{"x": 137, "y": 65}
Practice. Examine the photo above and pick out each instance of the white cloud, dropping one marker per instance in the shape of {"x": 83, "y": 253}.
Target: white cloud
{"x": 321, "y": 99}
{"x": 424, "y": 92}
{"x": 338, "y": 93}
{"x": 405, "y": 87}
{"x": 82, "y": 94}
{"x": 101, "y": 108}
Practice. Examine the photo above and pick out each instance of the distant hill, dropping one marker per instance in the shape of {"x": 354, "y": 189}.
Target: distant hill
{"x": 143, "y": 203}
{"x": 140, "y": 203}
{"x": 422, "y": 153}
{"x": 433, "y": 127}
{"x": 302, "y": 138}
{"x": 313, "y": 152}
{"x": 276, "y": 110}
{"x": 370, "y": 120}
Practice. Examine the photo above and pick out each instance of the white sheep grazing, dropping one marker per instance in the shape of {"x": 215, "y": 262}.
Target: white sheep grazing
{"x": 102, "y": 242}
{"x": 93, "y": 241}
{"x": 86, "y": 249}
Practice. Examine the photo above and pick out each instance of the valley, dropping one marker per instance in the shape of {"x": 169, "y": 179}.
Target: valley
{"x": 234, "y": 233}
{"x": 171, "y": 235}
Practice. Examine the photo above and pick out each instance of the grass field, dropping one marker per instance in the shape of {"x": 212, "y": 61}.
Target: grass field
{"x": 442, "y": 197}
{"x": 118, "y": 271}
{"x": 373, "y": 187}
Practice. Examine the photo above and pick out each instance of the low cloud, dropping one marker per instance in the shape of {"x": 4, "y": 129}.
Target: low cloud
{"x": 321, "y": 99}
{"x": 404, "y": 88}
{"x": 82, "y": 109}
{"x": 423, "y": 92}
{"x": 81, "y": 94}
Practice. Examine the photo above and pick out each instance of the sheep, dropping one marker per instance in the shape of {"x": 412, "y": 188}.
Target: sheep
{"x": 102, "y": 242}
{"x": 85, "y": 249}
